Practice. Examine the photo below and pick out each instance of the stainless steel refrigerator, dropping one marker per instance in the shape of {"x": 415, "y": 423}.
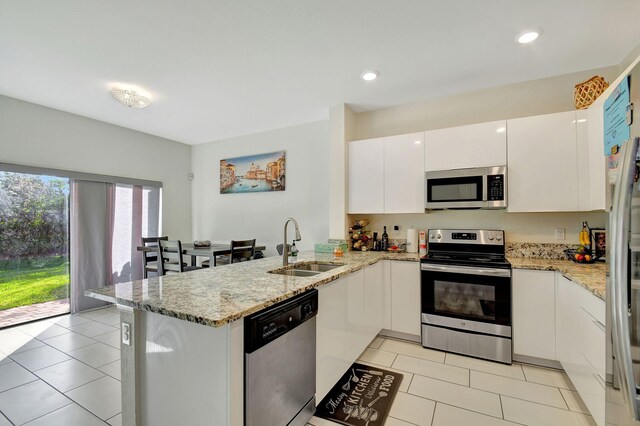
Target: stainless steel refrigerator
{"x": 622, "y": 405}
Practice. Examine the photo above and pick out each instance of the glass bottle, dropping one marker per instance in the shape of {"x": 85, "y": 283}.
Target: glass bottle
{"x": 384, "y": 241}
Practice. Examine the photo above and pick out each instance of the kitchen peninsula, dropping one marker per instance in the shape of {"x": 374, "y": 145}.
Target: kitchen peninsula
{"x": 186, "y": 327}
{"x": 184, "y": 364}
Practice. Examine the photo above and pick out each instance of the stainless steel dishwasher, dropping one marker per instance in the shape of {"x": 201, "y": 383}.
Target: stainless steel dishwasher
{"x": 280, "y": 363}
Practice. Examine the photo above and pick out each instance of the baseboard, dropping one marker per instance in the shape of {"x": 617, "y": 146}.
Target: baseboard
{"x": 542, "y": 362}
{"x": 400, "y": 335}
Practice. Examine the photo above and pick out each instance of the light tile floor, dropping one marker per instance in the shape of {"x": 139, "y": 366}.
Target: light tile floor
{"x": 441, "y": 389}
{"x": 66, "y": 371}
{"x": 62, "y": 371}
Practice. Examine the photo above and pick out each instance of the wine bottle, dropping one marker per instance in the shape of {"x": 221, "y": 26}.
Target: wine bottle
{"x": 384, "y": 242}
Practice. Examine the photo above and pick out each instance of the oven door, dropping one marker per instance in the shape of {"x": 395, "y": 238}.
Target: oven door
{"x": 472, "y": 299}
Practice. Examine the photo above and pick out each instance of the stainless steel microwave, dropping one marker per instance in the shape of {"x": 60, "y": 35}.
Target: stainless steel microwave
{"x": 476, "y": 188}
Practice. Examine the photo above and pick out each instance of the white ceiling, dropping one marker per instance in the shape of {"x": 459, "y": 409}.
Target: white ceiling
{"x": 222, "y": 68}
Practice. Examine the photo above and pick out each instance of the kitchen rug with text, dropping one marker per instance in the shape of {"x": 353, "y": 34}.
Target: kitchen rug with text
{"x": 362, "y": 396}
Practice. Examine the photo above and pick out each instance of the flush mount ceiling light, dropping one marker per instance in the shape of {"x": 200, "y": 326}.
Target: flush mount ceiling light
{"x": 130, "y": 96}
{"x": 501, "y": 129}
{"x": 528, "y": 36}
{"x": 369, "y": 75}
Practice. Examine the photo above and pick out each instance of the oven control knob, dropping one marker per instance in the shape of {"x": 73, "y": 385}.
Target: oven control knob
{"x": 490, "y": 237}
{"x": 439, "y": 236}
{"x": 498, "y": 237}
{"x": 432, "y": 236}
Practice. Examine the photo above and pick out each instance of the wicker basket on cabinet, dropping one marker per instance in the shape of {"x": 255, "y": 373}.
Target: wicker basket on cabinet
{"x": 588, "y": 91}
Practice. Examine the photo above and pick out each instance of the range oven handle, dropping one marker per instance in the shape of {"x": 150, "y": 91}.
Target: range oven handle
{"x": 489, "y": 272}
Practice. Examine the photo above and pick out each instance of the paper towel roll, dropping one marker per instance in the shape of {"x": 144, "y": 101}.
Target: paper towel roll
{"x": 412, "y": 240}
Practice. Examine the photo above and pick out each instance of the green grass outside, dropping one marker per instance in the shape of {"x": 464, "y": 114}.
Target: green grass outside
{"x": 25, "y": 282}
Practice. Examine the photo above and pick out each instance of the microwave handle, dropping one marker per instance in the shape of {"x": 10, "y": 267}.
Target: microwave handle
{"x": 484, "y": 187}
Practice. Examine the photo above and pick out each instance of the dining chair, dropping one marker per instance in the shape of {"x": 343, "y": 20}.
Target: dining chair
{"x": 170, "y": 258}
{"x": 241, "y": 250}
{"x": 150, "y": 258}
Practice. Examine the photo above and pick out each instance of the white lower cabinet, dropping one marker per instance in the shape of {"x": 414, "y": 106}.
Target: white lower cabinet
{"x": 534, "y": 325}
{"x": 332, "y": 335}
{"x": 350, "y": 313}
{"x": 405, "y": 297}
{"x": 581, "y": 342}
{"x": 556, "y": 319}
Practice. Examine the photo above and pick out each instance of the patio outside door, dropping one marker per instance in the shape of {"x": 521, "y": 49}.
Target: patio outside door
{"x": 34, "y": 247}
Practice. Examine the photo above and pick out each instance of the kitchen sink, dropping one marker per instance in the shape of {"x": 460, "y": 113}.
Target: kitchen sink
{"x": 306, "y": 269}
{"x": 295, "y": 272}
{"x": 317, "y": 267}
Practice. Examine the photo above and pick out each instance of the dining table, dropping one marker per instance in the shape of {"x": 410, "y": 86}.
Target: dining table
{"x": 211, "y": 252}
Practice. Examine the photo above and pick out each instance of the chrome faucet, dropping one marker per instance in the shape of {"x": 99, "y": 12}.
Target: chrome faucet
{"x": 285, "y": 250}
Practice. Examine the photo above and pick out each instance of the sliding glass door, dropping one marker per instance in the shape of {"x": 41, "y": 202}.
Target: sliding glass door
{"x": 64, "y": 232}
{"x": 34, "y": 247}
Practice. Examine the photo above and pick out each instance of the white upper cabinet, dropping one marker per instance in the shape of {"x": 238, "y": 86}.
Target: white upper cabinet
{"x": 475, "y": 145}
{"x": 386, "y": 175}
{"x": 366, "y": 176}
{"x": 404, "y": 173}
{"x": 542, "y": 163}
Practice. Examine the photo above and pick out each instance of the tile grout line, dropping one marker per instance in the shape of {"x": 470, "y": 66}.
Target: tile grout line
{"x": 525, "y": 381}
{"x": 49, "y": 412}
{"x": 60, "y": 408}
{"x": 25, "y": 383}
{"x": 545, "y": 405}
{"x": 409, "y": 423}
{"x": 34, "y": 372}
{"x": 565, "y": 400}
{"x": 65, "y": 392}
{"x": 433, "y": 415}
{"x": 482, "y": 390}
{"x": 111, "y": 418}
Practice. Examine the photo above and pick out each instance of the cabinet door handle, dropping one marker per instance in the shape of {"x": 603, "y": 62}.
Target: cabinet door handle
{"x": 596, "y": 321}
{"x": 599, "y": 325}
{"x": 599, "y": 379}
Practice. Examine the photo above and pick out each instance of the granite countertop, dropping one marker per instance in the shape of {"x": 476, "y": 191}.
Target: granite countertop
{"x": 220, "y": 295}
{"x": 590, "y": 276}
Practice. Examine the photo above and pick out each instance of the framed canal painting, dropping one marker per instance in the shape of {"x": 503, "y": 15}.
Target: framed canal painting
{"x": 253, "y": 173}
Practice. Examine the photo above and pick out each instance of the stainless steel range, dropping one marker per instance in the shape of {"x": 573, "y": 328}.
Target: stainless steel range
{"x": 466, "y": 294}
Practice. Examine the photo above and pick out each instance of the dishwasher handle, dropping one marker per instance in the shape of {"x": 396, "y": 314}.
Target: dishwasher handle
{"x": 269, "y": 324}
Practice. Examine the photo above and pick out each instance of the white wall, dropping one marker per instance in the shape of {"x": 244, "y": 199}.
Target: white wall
{"x": 34, "y": 135}
{"x": 261, "y": 215}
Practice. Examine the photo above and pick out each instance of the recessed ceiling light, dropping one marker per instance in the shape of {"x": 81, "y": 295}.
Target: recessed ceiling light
{"x": 131, "y": 96}
{"x": 369, "y": 75}
{"x": 501, "y": 129}
{"x": 529, "y": 36}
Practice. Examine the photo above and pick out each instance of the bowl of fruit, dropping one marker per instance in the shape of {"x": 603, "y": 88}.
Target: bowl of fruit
{"x": 580, "y": 255}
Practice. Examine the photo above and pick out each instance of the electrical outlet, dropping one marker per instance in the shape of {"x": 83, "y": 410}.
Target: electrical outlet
{"x": 560, "y": 234}
{"x": 126, "y": 334}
